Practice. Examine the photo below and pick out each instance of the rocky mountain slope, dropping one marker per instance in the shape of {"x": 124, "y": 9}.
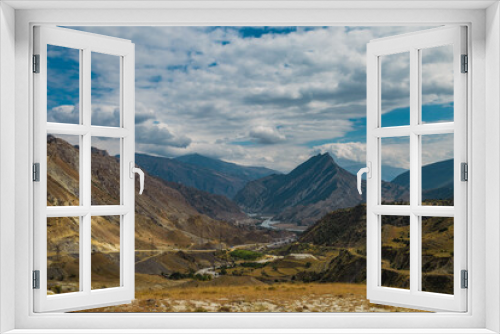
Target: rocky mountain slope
{"x": 308, "y": 192}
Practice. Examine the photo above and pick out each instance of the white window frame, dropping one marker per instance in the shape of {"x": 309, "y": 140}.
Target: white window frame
{"x": 124, "y": 51}
{"x": 484, "y": 103}
{"x": 412, "y": 44}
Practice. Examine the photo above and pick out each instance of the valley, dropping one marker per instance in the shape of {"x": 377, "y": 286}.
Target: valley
{"x": 291, "y": 242}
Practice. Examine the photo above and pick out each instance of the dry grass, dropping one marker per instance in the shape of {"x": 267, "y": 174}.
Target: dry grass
{"x": 287, "y": 297}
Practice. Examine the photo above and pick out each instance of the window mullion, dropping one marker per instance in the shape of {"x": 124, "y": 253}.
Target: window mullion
{"x": 86, "y": 238}
{"x": 414, "y": 170}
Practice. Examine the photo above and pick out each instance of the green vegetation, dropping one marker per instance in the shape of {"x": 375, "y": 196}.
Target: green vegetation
{"x": 246, "y": 255}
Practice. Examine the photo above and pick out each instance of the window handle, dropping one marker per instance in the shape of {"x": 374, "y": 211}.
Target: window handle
{"x": 368, "y": 171}
{"x": 135, "y": 170}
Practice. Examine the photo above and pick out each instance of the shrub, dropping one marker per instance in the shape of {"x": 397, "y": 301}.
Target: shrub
{"x": 245, "y": 254}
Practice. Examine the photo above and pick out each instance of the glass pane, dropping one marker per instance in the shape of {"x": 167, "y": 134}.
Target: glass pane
{"x": 437, "y": 254}
{"x": 396, "y": 252}
{"x": 437, "y": 170}
{"x": 63, "y": 84}
{"x": 395, "y": 155}
{"x": 437, "y": 84}
{"x": 105, "y": 171}
{"x": 63, "y": 170}
{"x": 395, "y": 89}
{"x": 105, "y": 89}
{"x": 63, "y": 255}
{"x": 105, "y": 252}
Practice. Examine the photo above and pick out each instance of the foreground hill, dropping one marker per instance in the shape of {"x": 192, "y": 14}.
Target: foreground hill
{"x": 308, "y": 192}
{"x": 345, "y": 230}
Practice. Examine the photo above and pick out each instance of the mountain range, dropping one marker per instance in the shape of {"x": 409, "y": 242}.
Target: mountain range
{"x": 203, "y": 173}
{"x": 311, "y": 190}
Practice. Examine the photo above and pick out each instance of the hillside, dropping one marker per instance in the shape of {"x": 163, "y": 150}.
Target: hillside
{"x": 345, "y": 230}
{"x": 308, "y": 192}
{"x": 215, "y": 206}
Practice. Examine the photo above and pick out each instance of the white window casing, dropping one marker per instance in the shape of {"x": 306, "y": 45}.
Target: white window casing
{"x": 483, "y": 48}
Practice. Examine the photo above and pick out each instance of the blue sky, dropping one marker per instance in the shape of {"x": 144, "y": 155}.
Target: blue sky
{"x": 267, "y": 96}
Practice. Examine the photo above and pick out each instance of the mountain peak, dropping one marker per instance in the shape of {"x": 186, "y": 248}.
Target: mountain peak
{"x": 295, "y": 196}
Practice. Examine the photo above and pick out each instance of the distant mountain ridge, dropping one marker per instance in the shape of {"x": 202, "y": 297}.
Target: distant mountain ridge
{"x": 247, "y": 172}
{"x": 203, "y": 173}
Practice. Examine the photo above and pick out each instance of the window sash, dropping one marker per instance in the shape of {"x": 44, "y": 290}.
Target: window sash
{"x": 86, "y": 44}
{"x": 412, "y": 43}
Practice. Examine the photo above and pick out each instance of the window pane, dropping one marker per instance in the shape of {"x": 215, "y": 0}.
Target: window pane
{"x": 437, "y": 84}
{"x": 395, "y": 155}
{"x": 63, "y": 255}
{"x": 105, "y": 89}
{"x": 437, "y": 170}
{"x": 105, "y": 171}
{"x": 105, "y": 252}
{"x": 396, "y": 252}
{"x": 63, "y": 85}
{"x": 63, "y": 166}
{"x": 395, "y": 89}
{"x": 437, "y": 254}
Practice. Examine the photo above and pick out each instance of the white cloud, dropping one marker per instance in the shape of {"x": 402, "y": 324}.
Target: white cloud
{"x": 266, "y": 135}
{"x": 64, "y": 114}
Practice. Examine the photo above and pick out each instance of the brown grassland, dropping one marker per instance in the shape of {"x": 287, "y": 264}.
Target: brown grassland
{"x": 155, "y": 294}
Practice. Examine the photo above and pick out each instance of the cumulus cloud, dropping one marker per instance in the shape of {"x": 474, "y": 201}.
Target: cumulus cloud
{"x": 266, "y": 135}
{"x": 159, "y": 135}
{"x": 64, "y": 114}
{"x": 105, "y": 115}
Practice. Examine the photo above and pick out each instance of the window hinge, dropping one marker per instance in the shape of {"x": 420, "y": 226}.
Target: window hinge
{"x": 36, "y": 279}
{"x": 465, "y": 64}
{"x": 465, "y": 279}
{"x": 36, "y": 172}
{"x": 36, "y": 63}
{"x": 464, "y": 171}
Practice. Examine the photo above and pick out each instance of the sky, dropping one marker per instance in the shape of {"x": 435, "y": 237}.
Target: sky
{"x": 258, "y": 96}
